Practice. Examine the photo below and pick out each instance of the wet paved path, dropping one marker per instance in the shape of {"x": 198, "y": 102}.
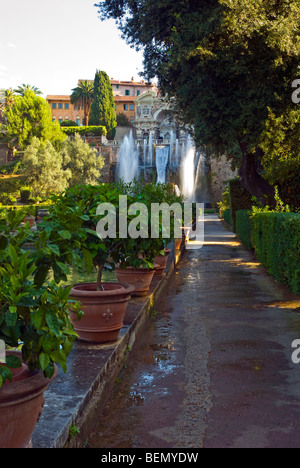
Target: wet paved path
{"x": 214, "y": 368}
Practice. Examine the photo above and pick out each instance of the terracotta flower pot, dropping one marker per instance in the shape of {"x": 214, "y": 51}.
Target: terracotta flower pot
{"x": 161, "y": 261}
{"x": 21, "y": 405}
{"x": 140, "y": 278}
{"x": 104, "y": 311}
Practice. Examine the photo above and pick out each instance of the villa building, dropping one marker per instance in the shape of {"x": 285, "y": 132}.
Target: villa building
{"x": 125, "y": 94}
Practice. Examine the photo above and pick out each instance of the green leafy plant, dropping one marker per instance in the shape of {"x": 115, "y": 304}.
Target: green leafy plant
{"x": 35, "y": 317}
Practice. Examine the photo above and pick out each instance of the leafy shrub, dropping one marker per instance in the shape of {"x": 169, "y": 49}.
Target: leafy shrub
{"x": 276, "y": 239}
{"x": 243, "y": 227}
{"x": 94, "y": 129}
{"x": 11, "y": 184}
{"x": 25, "y": 193}
{"x": 227, "y": 216}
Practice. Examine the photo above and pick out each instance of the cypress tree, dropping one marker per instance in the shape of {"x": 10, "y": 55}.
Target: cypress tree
{"x": 103, "y": 107}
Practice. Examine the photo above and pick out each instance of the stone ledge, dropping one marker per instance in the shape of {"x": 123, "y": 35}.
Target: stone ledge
{"x": 74, "y": 398}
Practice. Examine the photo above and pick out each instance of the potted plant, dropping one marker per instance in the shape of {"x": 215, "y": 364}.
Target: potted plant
{"x": 36, "y": 330}
{"x": 136, "y": 258}
{"x": 74, "y": 216}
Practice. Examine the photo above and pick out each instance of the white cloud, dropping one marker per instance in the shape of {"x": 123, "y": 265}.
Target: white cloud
{"x": 11, "y": 45}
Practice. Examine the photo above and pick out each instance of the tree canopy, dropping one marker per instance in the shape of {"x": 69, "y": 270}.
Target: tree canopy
{"x": 83, "y": 95}
{"x": 229, "y": 64}
{"x": 30, "y": 116}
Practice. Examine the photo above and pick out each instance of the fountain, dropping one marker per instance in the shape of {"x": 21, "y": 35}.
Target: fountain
{"x": 162, "y": 157}
{"x": 188, "y": 170}
{"x": 128, "y": 160}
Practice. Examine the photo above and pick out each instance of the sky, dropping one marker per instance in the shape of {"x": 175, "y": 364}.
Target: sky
{"x": 51, "y": 44}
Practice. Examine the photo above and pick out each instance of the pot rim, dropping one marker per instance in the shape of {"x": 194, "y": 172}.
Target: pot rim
{"x": 32, "y": 385}
{"x": 140, "y": 269}
{"x": 124, "y": 289}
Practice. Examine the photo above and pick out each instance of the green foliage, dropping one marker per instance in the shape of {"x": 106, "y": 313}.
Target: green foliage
{"x": 68, "y": 123}
{"x": 243, "y": 227}
{"x": 83, "y": 130}
{"x": 11, "y": 184}
{"x": 83, "y": 95}
{"x": 43, "y": 169}
{"x": 227, "y": 216}
{"x": 239, "y": 199}
{"x": 276, "y": 239}
{"x": 74, "y": 214}
{"x": 280, "y": 142}
{"x": 123, "y": 120}
{"x": 103, "y": 106}
{"x": 224, "y": 204}
{"x": 29, "y": 117}
{"x": 81, "y": 161}
{"x": 35, "y": 317}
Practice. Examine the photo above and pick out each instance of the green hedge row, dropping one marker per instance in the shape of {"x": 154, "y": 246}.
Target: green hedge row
{"x": 227, "y": 216}
{"x": 276, "y": 240}
{"x": 243, "y": 227}
{"x": 85, "y": 130}
{"x": 11, "y": 184}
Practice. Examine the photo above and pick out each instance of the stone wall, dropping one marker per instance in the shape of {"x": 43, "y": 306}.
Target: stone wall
{"x": 110, "y": 156}
{"x": 220, "y": 173}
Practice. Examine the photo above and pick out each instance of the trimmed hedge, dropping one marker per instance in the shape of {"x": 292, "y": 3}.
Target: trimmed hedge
{"x": 227, "y": 216}
{"x": 243, "y": 227}
{"x": 276, "y": 239}
{"x": 11, "y": 184}
{"x": 91, "y": 129}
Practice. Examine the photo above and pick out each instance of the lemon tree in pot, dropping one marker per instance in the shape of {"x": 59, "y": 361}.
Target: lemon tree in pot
{"x": 75, "y": 214}
{"x": 140, "y": 255}
{"x": 36, "y": 330}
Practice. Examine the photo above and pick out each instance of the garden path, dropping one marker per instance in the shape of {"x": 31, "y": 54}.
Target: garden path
{"x": 215, "y": 368}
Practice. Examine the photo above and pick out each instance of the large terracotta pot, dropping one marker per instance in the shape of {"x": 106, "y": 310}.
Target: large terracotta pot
{"x": 161, "y": 261}
{"x": 21, "y": 405}
{"x": 140, "y": 278}
{"x": 104, "y": 311}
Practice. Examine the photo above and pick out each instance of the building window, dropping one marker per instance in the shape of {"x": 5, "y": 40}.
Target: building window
{"x": 118, "y": 86}
{"x": 60, "y": 106}
{"x": 131, "y": 107}
{"x": 60, "y": 120}
{"x": 138, "y": 93}
{"x": 53, "y": 105}
{"x": 127, "y": 92}
{"x": 66, "y": 106}
{"x": 78, "y": 121}
{"x": 125, "y": 107}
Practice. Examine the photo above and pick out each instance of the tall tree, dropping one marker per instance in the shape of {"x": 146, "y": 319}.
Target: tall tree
{"x": 103, "y": 107}
{"x": 83, "y": 95}
{"x": 30, "y": 116}
{"x": 227, "y": 63}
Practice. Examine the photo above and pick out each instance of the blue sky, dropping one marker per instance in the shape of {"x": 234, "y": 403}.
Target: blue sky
{"x": 53, "y": 43}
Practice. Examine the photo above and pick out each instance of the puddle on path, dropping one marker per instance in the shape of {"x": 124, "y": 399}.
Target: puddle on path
{"x": 144, "y": 405}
